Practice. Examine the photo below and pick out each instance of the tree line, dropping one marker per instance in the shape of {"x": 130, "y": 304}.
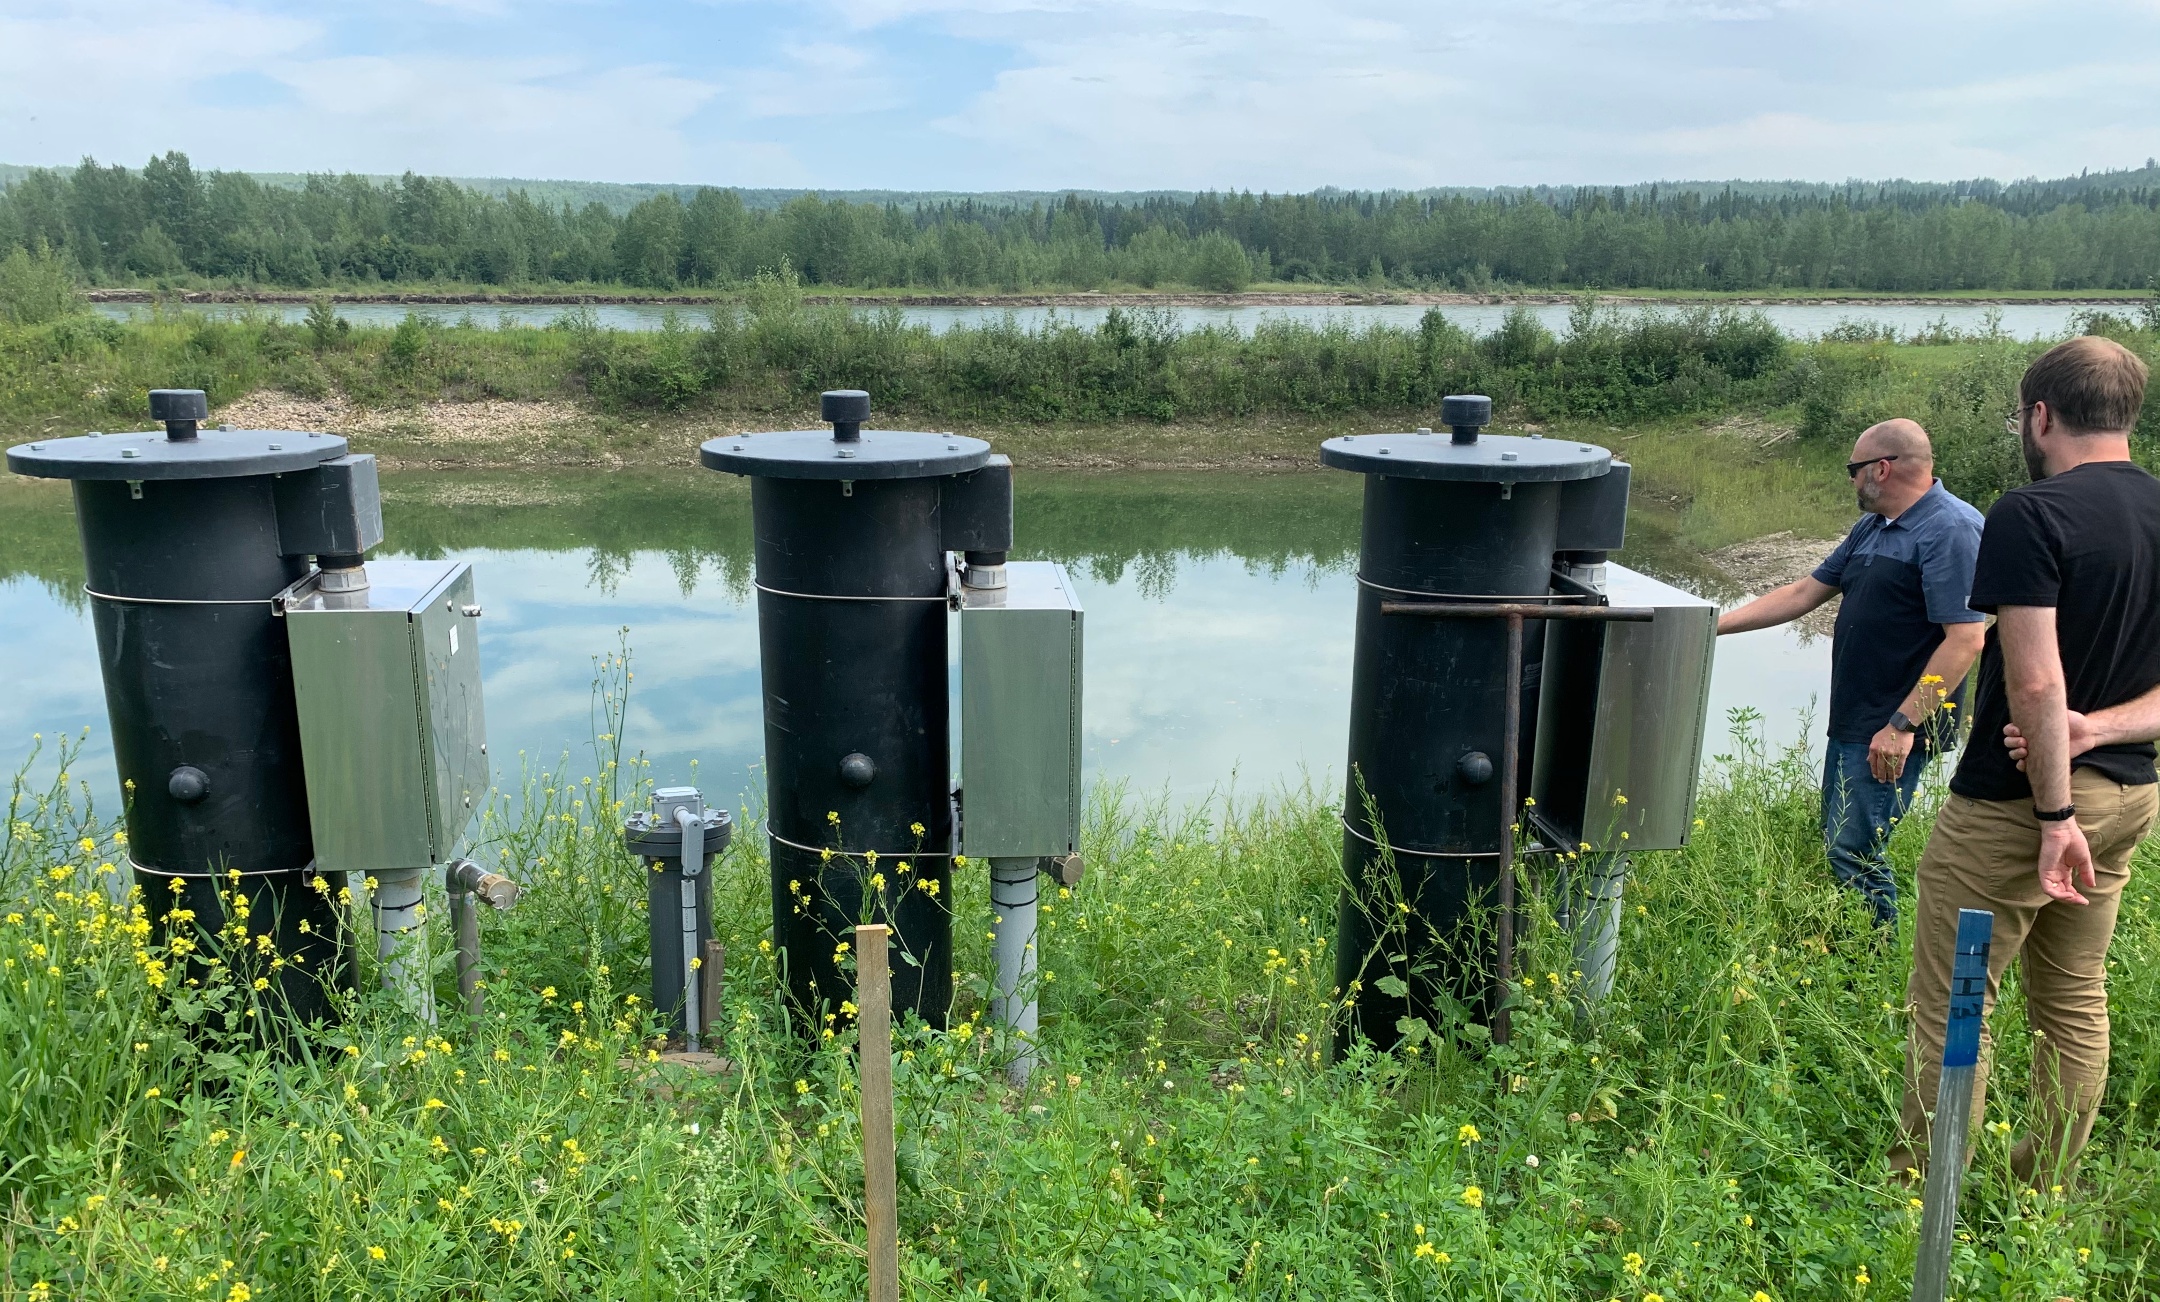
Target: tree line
{"x": 169, "y": 223}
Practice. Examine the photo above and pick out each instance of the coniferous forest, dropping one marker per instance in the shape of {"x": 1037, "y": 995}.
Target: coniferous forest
{"x": 168, "y": 223}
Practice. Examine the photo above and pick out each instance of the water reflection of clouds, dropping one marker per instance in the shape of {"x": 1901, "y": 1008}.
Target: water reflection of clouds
{"x": 1240, "y": 674}
{"x": 695, "y": 696}
{"x": 51, "y": 663}
{"x": 1202, "y": 668}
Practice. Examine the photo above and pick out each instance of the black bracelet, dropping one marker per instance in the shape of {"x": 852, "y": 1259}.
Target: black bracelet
{"x": 2063, "y": 815}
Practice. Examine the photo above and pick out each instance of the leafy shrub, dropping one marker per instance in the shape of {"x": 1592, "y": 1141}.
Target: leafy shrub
{"x": 407, "y": 342}
{"x": 1833, "y": 383}
{"x": 1220, "y": 263}
{"x": 36, "y": 286}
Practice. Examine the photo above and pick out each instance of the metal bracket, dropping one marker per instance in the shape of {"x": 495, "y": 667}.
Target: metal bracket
{"x": 298, "y": 591}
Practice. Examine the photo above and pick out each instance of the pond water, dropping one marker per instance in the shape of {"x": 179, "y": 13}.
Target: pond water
{"x": 1798, "y": 320}
{"x": 1219, "y": 612}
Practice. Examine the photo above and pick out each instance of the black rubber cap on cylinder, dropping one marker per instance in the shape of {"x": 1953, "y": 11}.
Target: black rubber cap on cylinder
{"x": 847, "y": 409}
{"x": 181, "y": 410}
{"x": 1466, "y": 414}
{"x": 179, "y": 404}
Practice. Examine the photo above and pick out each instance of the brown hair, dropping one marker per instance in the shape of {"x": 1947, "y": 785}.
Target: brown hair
{"x": 2090, "y": 383}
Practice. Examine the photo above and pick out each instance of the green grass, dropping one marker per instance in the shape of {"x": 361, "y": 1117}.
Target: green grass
{"x": 1712, "y": 1133}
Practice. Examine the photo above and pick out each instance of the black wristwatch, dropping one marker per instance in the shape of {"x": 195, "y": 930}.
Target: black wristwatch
{"x": 1899, "y": 723}
{"x": 2063, "y": 815}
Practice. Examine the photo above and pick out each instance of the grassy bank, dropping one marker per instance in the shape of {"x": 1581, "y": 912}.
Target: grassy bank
{"x": 1735, "y": 429}
{"x": 1711, "y": 1134}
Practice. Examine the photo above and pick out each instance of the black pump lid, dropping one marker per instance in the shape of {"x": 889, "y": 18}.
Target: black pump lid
{"x": 1492, "y": 459}
{"x": 152, "y": 454}
{"x": 847, "y": 451}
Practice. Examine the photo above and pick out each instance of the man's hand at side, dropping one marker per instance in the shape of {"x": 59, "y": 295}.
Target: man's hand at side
{"x": 2065, "y": 861}
{"x": 1886, "y": 752}
{"x": 2033, "y": 680}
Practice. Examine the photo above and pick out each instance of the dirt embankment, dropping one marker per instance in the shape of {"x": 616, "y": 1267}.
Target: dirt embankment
{"x": 503, "y": 434}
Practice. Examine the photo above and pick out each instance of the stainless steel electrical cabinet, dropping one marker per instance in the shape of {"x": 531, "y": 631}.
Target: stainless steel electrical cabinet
{"x": 1621, "y": 719}
{"x": 1020, "y": 657}
{"x": 391, "y": 730}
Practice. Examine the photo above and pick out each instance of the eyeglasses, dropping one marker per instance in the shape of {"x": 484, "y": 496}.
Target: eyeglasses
{"x": 1855, "y": 467}
{"x": 2014, "y": 423}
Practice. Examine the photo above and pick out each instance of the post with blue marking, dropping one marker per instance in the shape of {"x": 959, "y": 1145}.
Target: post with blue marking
{"x": 1953, "y": 1104}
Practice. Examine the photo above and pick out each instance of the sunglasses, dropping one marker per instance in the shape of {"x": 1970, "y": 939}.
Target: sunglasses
{"x": 1855, "y": 467}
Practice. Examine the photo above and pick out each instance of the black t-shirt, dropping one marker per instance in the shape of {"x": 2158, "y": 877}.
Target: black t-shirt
{"x": 2087, "y": 542}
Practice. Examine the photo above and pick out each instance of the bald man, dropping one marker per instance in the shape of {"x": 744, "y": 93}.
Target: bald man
{"x": 1905, "y": 638}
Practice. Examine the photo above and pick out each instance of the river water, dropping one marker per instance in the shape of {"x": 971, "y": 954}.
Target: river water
{"x": 1797, "y": 320}
{"x": 1218, "y": 634}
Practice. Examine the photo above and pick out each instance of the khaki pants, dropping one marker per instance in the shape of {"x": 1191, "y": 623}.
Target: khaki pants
{"x": 1984, "y": 855}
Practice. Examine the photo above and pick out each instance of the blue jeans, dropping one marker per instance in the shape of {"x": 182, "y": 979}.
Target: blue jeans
{"x": 1858, "y": 814}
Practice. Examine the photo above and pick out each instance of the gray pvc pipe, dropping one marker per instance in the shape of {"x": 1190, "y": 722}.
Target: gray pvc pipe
{"x": 400, "y": 940}
{"x": 693, "y": 862}
{"x": 1014, "y": 893}
{"x": 1593, "y": 888}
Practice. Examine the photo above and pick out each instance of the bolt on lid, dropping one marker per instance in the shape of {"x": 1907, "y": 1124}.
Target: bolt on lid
{"x": 848, "y": 451}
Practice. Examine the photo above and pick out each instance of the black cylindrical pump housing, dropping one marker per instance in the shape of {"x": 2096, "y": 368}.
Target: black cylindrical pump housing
{"x": 659, "y": 845}
{"x": 1462, "y": 519}
{"x": 184, "y": 551}
{"x": 854, "y": 581}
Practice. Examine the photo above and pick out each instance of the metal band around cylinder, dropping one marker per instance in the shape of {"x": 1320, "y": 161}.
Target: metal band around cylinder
{"x": 1364, "y": 582}
{"x": 1425, "y": 854}
{"x": 224, "y": 873}
{"x": 857, "y": 854}
{"x": 942, "y": 598}
{"x": 95, "y": 595}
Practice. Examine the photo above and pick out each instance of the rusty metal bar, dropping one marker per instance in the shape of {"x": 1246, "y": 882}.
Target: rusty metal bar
{"x": 1510, "y": 760}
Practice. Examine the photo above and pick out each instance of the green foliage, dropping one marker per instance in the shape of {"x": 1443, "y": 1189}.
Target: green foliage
{"x": 324, "y": 326}
{"x": 169, "y": 221}
{"x": 36, "y": 285}
{"x": 407, "y": 342}
{"x": 1713, "y": 1130}
{"x": 1838, "y": 389}
{"x": 1132, "y": 365}
{"x": 1219, "y": 263}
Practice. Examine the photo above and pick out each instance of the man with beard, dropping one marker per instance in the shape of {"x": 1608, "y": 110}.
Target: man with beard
{"x": 2070, "y": 567}
{"x": 1898, "y": 656}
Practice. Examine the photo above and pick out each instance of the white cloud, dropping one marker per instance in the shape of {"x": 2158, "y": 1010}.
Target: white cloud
{"x": 1274, "y": 94}
{"x": 112, "y": 79}
{"x": 1283, "y": 94}
{"x": 816, "y": 79}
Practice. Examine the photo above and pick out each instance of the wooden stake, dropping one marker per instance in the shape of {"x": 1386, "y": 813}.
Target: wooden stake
{"x": 709, "y": 986}
{"x": 881, "y": 1210}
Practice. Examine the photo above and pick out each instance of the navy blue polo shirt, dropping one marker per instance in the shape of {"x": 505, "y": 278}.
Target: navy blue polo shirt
{"x": 1903, "y": 580}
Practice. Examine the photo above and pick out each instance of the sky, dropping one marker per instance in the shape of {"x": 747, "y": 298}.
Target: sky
{"x": 1096, "y": 94}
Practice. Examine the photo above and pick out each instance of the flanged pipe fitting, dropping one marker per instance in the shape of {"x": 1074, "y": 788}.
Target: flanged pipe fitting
{"x": 471, "y": 886}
